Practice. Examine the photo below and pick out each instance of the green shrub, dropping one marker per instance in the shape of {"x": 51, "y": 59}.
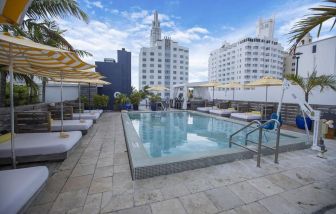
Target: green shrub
{"x": 136, "y": 97}
{"x": 21, "y": 95}
{"x": 100, "y": 101}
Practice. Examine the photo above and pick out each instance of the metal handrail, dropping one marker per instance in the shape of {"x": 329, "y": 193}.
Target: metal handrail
{"x": 246, "y": 126}
{"x": 261, "y": 125}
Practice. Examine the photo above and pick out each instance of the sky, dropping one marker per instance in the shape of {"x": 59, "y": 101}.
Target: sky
{"x": 202, "y": 26}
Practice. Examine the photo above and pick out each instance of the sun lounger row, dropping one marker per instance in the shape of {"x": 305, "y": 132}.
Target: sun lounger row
{"x": 232, "y": 113}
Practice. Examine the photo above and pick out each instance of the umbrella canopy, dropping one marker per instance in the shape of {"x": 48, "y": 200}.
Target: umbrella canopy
{"x": 233, "y": 85}
{"x": 213, "y": 85}
{"x": 266, "y": 81}
{"x": 13, "y": 12}
{"x": 157, "y": 88}
{"x": 23, "y": 54}
{"x": 83, "y": 80}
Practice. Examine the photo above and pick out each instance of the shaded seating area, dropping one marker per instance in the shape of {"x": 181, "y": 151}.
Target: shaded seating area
{"x": 246, "y": 116}
{"x": 222, "y": 112}
{"x": 19, "y": 187}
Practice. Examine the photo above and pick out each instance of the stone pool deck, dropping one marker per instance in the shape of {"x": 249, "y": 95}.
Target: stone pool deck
{"x": 96, "y": 178}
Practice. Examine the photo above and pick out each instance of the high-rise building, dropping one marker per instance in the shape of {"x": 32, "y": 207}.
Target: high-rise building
{"x": 118, "y": 73}
{"x": 248, "y": 59}
{"x": 165, "y": 62}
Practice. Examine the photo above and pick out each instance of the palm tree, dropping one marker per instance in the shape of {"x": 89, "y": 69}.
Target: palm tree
{"x": 313, "y": 81}
{"x": 304, "y": 26}
{"x": 45, "y": 31}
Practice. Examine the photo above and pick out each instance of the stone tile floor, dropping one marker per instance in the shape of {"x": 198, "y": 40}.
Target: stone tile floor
{"x": 96, "y": 178}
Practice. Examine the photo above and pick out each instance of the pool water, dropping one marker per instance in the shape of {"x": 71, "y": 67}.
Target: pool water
{"x": 165, "y": 134}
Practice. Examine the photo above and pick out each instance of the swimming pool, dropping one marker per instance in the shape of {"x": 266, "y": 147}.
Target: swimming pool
{"x": 164, "y": 142}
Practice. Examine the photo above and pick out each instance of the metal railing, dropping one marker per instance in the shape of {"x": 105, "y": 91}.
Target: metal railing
{"x": 260, "y": 128}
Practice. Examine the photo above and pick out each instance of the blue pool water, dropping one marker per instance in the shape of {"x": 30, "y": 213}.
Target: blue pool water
{"x": 179, "y": 133}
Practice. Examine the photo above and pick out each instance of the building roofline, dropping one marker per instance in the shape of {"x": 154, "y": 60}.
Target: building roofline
{"x": 332, "y": 37}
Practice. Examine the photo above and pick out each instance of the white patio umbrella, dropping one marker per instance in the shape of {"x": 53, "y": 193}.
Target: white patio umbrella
{"x": 213, "y": 85}
{"x": 233, "y": 85}
{"x": 26, "y": 56}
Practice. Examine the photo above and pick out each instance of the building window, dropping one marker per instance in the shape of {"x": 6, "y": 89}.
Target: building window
{"x": 152, "y": 59}
{"x": 143, "y": 76}
{"x": 314, "y": 49}
{"x": 143, "y": 65}
{"x": 151, "y": 65}
{"x": 144, "y": 59}
{"x": 159, "y": 66}
{"x": 151, "y": 83}
{"x": 143, "y": 82}
{"x": 152, "y": 53}
{"x": 159, "y": 47}
{"x": 151, "y": 71}
{"x": 144, "y": 53}
{"x": 159, "y": 71}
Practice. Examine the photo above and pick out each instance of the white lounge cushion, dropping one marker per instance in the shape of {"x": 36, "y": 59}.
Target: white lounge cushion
{"x": 94, "y": 110}
{"x": 246, "y": 116}
{"x": 29, "y": 144}
{"x": 86, "y": 116}
{"x": 222, "y": 111}
{"x": 71, "y": 125}
{"x": 206, "y": 109}
{"x": 18, "y": 186}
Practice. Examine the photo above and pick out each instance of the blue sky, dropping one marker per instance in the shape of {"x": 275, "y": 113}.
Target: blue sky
{"x": 199, "y": 25}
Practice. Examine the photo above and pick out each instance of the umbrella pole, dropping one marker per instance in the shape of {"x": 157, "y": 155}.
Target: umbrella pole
{"x": 90, "y": 97}
{"x": 266, "y": 101}
{"x": 12, "y": 106}
{"x": 213, "y": 96}
{"x": 62, "y": 102}
{"x": 79, "y": 101}
{"x": 233, "y": 92}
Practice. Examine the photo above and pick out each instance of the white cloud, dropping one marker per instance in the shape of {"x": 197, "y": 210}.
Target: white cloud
{"x": 102, "y": 38}
{"x": 90, "y": 4}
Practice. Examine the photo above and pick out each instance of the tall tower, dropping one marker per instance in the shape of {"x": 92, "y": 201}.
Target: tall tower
{"x": 156, "y": 30}
{"x": 265, "y": 28}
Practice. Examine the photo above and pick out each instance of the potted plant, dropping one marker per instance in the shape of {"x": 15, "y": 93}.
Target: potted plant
{"x": 154, "y": 98}
{"x": 135, "y": 99}
{"x": 122, "y": 102}
{"x": 307, "y": 85}
{"x": 100, "y": 101}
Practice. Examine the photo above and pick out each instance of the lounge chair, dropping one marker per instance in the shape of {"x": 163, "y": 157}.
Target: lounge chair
{"x": 32, "y": 147}
{"x": 206, "y": 109}
{"x": 222, "y": 112}
{"x": 94, "y": 110}
{"x": 72, "y": 125}
{"x": 86, "y": 116}
{"x": 19, "y": 187}
{"x": 247, "y": 116}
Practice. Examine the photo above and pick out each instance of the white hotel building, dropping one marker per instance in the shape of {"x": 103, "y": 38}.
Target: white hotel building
{"x": 248, "y": 59}
{"x": 164, "y": 62}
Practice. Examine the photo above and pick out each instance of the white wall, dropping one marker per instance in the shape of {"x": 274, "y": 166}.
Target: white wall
{"x": 53, "y": 92}
{"x": 324, "y": 60}
{"x": 328, "y": 97}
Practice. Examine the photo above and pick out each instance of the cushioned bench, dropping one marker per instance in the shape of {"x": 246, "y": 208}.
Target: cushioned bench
{"x": 40, "y": 146}
{"x": 247, "y": 116}
{"x": 222, "y": 112}
{"x": 100, "y": 111}
{"x": 72, "y": 125}
{"x": 86, "y": 116}
{"x": 206, "y": 109}
{"x": 18, "y": 188}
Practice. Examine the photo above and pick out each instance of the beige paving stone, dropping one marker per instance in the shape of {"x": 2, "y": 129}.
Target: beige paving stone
{"x": 252, "y": 208}
{"x": 283, "y": 181}
{"x": 120, "y": 158}
{"x": 69, "y": 200}
{"x": 174, "y": 191}
{"x": 112, "y": 202}
{"x": 76, "y": 183}
{"x": 92, "y": 204}
{"x": 103, "y": 184}
{"x": 135, "y": 210}
{"x": 142, "y": 197}
{"x": 246, "y": 192}
{"x": 39, "y": 209}
{"x": 265, "y": 186}
{"x": 105, "y": 162}
{"x": 81, "y": 169}
{"x": 198, "y": 185}
{"x": 122, "y": 168}
{"x": 278, "y": 205}
{"x": 223, "y": 198}
{"x": 198, "y": 203}
{"x": 172, "y": 206}
{"x": 101, "y": 172}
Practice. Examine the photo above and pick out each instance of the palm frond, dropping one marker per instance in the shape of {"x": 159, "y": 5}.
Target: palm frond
{"x": 304, "y": 26}
{"x": 44, "y": 9}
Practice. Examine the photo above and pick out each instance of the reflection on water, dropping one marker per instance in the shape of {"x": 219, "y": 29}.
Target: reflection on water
{"x": 179, "y": 133}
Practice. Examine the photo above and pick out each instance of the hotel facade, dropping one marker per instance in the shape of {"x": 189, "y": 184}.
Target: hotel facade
{"x": 165, "y": 62}
{"x": 248, "y": 59}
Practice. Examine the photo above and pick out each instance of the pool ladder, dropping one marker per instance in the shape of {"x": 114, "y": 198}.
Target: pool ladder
{"x": 260, "y": 129}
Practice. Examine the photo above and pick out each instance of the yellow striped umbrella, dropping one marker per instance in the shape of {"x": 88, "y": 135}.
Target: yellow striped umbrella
{"x": 13, "y": 11}
{"x": 233, "y": 85}
{"x": 28, "y": 57}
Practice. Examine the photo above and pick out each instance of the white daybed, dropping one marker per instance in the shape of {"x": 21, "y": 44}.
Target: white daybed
{"x": 86, "y": 116}
{"x": 19, "y": 187}
{"x": 71, "y": 125}
{"x": 222, "y": 112}
{"x": 247, "y": 116}
{"x": 206, "y": 109}
{"x": 40, "y": 146}
{"x": 100, "y": 111}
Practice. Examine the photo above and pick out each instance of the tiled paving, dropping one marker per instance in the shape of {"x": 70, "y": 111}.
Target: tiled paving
{"x": 96, "y": 178}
